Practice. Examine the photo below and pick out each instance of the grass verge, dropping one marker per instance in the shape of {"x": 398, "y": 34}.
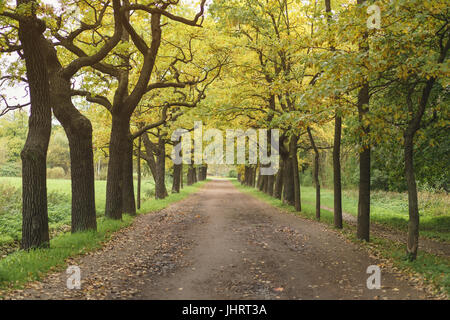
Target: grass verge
{"x": 427, "y": 269}
{"x": 21, "y": 266}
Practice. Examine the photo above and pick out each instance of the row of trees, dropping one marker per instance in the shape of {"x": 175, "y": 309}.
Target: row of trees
{"x": 302, "y": 67}
{"x": 308, "y": 68}
{"x": 113, "y": 54}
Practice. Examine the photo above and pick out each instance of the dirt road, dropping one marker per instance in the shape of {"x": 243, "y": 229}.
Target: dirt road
{"x": 222, "y": 244}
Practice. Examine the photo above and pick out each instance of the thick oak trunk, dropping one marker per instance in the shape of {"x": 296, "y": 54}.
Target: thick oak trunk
{"x": 79, "y": 134}
{"x": 34, "y": 154}
{"x": 117, "y": 151}
{"x": 78, "y": 129}
{"x": 288, "y": 181}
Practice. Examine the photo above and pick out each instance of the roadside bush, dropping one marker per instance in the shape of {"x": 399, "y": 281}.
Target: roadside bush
{"x": 59, "y": 208}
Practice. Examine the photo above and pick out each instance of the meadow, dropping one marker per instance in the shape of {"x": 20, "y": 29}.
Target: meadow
{"x": 391, "y": 209}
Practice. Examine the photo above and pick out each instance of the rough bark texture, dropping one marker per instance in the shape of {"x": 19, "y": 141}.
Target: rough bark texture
{"x": 117, "y": 152}
{"x": 34, "y": 154}
{"x": 78, "y": 129}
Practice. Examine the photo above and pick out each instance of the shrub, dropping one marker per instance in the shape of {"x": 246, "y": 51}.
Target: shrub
{"x": 232, "y": 174}
{"x": 10, "y": 201}
{"x": 56, "y": 173}
{"x": 10, "y": 169}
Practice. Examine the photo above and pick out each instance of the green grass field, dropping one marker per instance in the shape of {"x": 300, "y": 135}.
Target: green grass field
{"x": 391, "y": 209}
{"x": 59, "y": 207}
{"x": 63, "y": 186}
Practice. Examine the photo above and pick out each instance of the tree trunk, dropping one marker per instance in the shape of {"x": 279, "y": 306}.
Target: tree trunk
{"x": 181, "y": 177}
{"x": 337, "y": 187}
{"x": 204, "y": 172}
{"x": 194, "y": 174}
{"x": 160, "y": 182}
{"x": 139, "y": 173}
{"x": 413, "y": 206}
{"x": 278, "y": 187}
{"x": 270, "y": 183}
{"x": 190, "y": 175}
{"x": 176, "y": 178}
{"x": 79, "y": 134}
{"x": 363, "y": 221}
{"x": 288, "y": 181}
{"x": 34, "y": 154}
{"x": 294, "y": 162}
{"x": 78, "y": 129}
{"x": 129, "y": 204}
{"x": 316, "y": 173}
{"x": 117, "y": 152}
{"x": 261, "y": 181}
{"x": 247, "y": 175}
{"x": 265, "y": 184}
{"x": 156, "y": 160}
